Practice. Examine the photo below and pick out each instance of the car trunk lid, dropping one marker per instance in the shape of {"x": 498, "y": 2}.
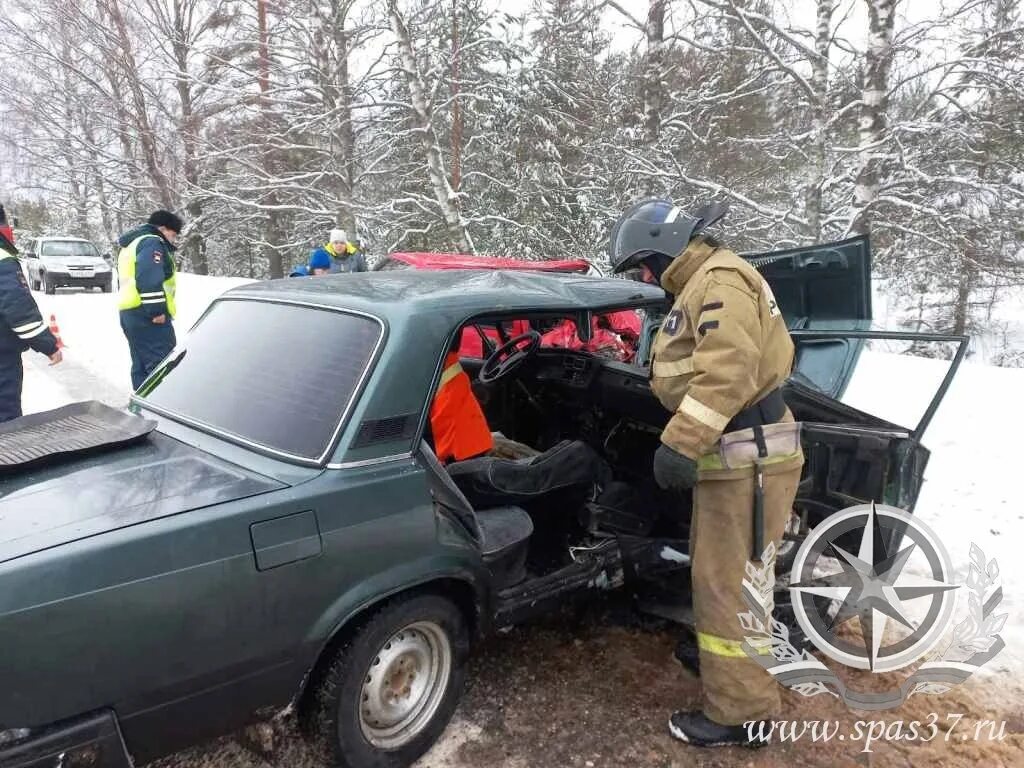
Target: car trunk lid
{"x": 44, "y": 508}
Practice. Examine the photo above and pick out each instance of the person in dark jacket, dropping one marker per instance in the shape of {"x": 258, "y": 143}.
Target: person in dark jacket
{"x": 21, "y": 325}
{"x": 145, "y": 267}
{"x": 345, "y": 257}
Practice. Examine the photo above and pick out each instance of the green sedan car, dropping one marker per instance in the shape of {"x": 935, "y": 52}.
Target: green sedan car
{"x": 281, "y": 535}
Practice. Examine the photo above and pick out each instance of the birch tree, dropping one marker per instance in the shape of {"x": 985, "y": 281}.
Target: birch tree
{"x": 423, "y": 117}
{"x": 873, "y": 121}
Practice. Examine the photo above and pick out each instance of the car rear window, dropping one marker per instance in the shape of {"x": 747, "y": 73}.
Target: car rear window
{"x": 279, "y": 376}
{"x": 68, "y": 248}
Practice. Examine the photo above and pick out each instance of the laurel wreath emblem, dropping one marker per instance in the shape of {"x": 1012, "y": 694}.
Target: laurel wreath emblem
{"x": 975, "y": 640}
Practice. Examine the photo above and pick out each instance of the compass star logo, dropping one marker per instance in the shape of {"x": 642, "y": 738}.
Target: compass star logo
{"x": 874, "y": 584}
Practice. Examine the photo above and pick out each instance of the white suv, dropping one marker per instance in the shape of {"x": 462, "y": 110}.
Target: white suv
{"x": 54, "y": 262}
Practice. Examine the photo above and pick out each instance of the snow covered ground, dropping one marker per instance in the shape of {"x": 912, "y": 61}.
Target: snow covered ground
{"x": 970, "y": 494}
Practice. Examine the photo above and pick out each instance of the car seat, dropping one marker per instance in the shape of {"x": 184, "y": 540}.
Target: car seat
{"x": 502, "y": 531}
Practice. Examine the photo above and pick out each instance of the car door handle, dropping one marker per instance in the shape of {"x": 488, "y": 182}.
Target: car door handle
{"x": 284, "y": 540}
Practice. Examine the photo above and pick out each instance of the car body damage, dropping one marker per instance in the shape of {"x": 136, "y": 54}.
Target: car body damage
{"x": 287, "y": 520}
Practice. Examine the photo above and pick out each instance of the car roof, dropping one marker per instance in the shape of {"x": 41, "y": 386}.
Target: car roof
{"x": 64, "y": 238}
{"x": 454, "y": 294}
{"x": 428, "y": 261}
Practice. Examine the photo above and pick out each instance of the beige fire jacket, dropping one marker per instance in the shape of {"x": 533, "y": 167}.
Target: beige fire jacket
{"x": 722, "y": 347}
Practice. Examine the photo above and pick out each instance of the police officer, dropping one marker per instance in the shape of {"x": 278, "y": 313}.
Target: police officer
{"x": 720, "y": 356}
{"x": 21, "y": 325}
{"x": 146, "y": 270}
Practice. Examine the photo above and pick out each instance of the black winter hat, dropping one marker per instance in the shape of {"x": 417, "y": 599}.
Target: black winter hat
{"x": 167, "y": 219}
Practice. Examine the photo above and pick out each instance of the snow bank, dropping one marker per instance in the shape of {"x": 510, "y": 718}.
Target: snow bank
{"x": 1003, "y": 332}
{"x": 969, "y": 495}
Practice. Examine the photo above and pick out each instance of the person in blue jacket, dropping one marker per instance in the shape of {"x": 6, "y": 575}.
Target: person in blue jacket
{"x": 320, "y": 262}
{"x": 146, "y": 269}
{"x": 21, "y": 325}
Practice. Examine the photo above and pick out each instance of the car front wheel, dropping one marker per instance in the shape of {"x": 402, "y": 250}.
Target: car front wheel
{"x": 390, "y": 691}
{"x": 49, "y": 287}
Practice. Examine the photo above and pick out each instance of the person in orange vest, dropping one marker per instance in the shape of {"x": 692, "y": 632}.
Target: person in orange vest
{"x": 456, "y": 419}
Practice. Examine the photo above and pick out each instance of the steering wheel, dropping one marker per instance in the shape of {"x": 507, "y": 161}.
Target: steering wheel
{"x": 509, "y": 356}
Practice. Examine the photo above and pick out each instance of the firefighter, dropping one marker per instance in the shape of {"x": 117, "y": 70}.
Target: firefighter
{"x": 720, "y": 356}
{"x": 146, "y": 269}
{"x": 21, "y": 325}
{"x": 457, "y": 421}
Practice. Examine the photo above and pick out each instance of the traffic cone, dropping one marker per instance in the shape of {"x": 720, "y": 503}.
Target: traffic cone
{"x": 56, "y": 331}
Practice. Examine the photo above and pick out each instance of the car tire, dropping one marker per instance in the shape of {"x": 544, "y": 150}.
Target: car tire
{"x": 107, "y": 286}
{"x": 35, "y": 285}
{"x": 49, "y": 287}
{"x": 388, "y": 693}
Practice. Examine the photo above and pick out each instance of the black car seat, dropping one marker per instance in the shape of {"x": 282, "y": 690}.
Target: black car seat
{"x": 502, "y": 531}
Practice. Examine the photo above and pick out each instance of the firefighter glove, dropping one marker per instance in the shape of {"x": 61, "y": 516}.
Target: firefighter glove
{"x": 673, "y": 471}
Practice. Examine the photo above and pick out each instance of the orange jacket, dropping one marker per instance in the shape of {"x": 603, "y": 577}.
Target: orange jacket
{"x": 456, "y": 418}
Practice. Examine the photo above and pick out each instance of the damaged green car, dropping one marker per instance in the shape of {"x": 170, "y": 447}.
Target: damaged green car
{"x": 275, "y": 532}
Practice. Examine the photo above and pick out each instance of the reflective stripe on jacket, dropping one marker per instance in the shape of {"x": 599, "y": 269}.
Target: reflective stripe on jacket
{"x": 151, "y": 288}
{"x": 456, "y": 419}
{"x": 21, "y": 325}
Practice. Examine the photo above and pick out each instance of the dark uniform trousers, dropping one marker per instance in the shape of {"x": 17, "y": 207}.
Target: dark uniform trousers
{"x": 11, "y": 375}
{"x": 148, "y": 342}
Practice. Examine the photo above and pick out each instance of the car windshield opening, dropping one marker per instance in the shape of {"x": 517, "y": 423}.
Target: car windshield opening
{"x": 69, "y": 248}
{"x": 612, "y": 335}
{"x": 279, "y": 376}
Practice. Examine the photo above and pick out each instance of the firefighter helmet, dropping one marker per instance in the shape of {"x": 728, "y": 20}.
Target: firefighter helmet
{"x": 657, "y": 226}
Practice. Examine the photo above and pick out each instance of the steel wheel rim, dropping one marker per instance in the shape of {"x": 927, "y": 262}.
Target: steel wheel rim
{"x": 404, "y": 685}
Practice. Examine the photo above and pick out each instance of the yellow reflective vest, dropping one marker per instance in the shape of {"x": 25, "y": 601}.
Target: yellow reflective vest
{"x": 130, "y": 297}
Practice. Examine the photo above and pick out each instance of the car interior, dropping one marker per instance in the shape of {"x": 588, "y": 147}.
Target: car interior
{"x": 580, "y": 500}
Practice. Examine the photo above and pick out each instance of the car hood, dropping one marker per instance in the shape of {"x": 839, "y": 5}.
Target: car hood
{"x": 822, "y": 287}
{"x": 74, "y": 500}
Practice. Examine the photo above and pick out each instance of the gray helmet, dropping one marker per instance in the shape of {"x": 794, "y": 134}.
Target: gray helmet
{"x": 657, "y": 226}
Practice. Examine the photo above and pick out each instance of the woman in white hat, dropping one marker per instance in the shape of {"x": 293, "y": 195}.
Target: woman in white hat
{"x": 345, "y": 257}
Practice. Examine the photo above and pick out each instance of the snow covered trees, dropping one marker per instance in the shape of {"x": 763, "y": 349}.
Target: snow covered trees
{"x": 469, "y": 125}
